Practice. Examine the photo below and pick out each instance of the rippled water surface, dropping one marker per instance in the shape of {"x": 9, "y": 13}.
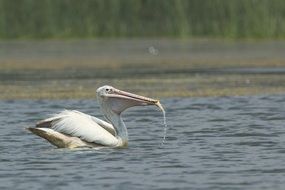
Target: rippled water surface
{"x": 212, "y": 143}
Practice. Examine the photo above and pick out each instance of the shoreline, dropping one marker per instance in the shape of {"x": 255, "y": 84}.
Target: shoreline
{"x": 156, "y": 68}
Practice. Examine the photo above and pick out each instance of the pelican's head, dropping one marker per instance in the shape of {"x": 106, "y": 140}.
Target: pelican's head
{"x": 116, "y": 101}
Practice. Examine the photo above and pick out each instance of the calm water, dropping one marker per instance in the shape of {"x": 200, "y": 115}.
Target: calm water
{"x": 212, "y": 143}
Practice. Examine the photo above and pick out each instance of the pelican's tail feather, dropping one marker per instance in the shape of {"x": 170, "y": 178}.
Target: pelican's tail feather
{"x": 58, "y": 139}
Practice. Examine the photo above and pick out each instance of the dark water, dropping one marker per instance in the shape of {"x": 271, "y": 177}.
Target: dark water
{"x": 213, "y": 143}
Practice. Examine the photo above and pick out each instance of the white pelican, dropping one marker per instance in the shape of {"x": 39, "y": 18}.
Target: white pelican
{"x": 72, "y": 129}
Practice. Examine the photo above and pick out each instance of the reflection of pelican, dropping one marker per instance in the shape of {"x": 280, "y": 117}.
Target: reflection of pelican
{"x": 71, "y": 129}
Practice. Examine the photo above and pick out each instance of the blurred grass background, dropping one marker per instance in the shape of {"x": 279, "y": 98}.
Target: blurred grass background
{"x": 232, "y": 19}
{"x": 160, "y": 48}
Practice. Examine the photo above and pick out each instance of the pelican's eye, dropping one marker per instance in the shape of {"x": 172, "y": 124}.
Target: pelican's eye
{"x": 108, "y": 90}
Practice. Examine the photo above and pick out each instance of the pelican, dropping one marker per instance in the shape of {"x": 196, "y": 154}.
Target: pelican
{"x": 73, "y": 129}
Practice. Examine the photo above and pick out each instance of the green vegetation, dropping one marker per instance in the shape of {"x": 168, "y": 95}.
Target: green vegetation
{"x": 232, "y": 19}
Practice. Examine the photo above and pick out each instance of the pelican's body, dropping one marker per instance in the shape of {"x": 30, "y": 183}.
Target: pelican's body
{"x": 72, "y": 129}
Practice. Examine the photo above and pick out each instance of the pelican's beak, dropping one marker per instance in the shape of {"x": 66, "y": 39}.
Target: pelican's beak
{"x": 143, "y": 100}
{"x": 121, "y": 100}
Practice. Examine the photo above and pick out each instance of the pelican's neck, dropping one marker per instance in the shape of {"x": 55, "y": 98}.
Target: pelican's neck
{"x": 121, "y": 129}
{"x": 118, "y": 123}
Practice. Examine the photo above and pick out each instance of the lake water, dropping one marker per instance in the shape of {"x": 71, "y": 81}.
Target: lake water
{"x": 212, "y": 143}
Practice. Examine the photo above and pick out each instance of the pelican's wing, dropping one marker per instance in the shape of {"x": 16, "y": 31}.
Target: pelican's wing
{"x": 83, "y": 126}
{"x": 107, "y": 126}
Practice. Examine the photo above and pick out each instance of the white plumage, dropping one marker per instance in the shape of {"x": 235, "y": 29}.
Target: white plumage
{"x": 78, "y": 124}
